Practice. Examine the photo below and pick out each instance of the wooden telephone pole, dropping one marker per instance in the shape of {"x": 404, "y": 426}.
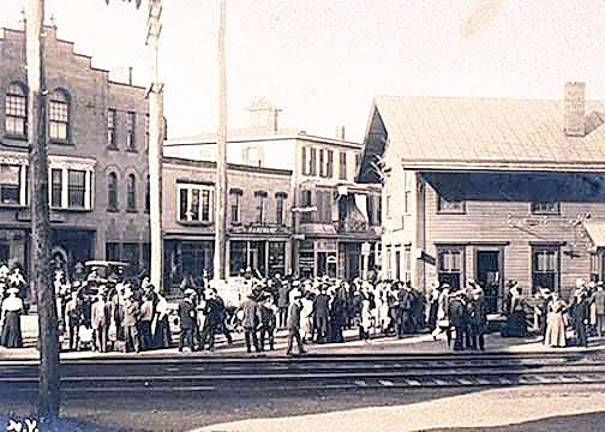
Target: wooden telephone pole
{"x": 48, "y": 388}
{"x": 220, "y": 240}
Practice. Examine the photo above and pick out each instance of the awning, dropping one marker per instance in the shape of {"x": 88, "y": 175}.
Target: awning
{"x": 596, "y": 232}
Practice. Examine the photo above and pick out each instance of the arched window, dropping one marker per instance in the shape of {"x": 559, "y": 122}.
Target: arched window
{"x": 58, "y": 116}
{"x": 112, "y": 191}
{"x": 131, "y": 193}
{"x": 15, "y": 121}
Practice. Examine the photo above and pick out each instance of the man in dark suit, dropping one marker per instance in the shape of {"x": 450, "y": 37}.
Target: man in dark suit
{"x": 294, "y": 325}
{"x": 457, "y": 314}
{"x": 321, "y": 311}
{"x": 580, "y": 310}
{"x": 252, "y": 319}
{"x": 187, "y": 317}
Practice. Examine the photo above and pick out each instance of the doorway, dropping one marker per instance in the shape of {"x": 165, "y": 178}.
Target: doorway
{"x": 490, "y": 277}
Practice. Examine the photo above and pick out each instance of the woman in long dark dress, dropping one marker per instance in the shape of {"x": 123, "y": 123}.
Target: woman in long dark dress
{"x": 12, "y": 308}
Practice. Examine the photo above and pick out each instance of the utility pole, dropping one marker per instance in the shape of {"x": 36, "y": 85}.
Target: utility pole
{"x": 220, "y": 208}
{"x": 48, "y": 387}
{"x": 156, "y": 143}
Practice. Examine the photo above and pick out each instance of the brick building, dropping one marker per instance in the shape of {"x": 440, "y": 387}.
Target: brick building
{"x": 491, "y": 190}
{"x": 333, "y": 216}
{"x": 259, "y": 226}
{"x": 97, "y": 157}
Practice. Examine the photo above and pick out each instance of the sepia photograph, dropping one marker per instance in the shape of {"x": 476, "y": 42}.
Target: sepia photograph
{"x": 302, "y": 216}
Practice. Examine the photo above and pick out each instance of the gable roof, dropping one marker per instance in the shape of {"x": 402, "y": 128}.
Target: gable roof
{"x": 481, "y": 133}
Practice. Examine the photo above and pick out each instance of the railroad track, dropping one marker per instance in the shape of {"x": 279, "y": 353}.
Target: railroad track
{"x": 313, "y": 373}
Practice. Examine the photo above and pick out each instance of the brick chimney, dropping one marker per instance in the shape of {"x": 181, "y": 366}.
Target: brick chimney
{"x": 575, "y": 120}
{"x": 263, "y": 114}
{"x": 340, "y": 132}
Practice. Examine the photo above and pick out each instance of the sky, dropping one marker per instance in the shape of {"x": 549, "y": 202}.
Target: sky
{"x": 322, "y": 61}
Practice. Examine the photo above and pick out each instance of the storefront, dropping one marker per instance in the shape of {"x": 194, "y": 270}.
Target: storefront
{"x": 187, "y": 257}
{"x": 264, "y": 257}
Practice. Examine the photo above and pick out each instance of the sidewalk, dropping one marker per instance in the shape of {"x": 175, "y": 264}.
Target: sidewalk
{"x": 413, "y": 344}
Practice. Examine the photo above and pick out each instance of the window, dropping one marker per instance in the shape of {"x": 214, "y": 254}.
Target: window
{"x": 71, "y": 188}
{"x": 112, "y": 251}
{"x": 387, "y": 257}
{"x": 342, "y": 166}
{"x": 594, "y": 267}
{"x": 147, "y": 195}
{"x": 357, "y": 161}
{"x": 280, "y": 199}
{"x": 56, "y": 188}
{"x": 450, "y": 266}
{"x": 111, "y": 128}
{"x": 326, "y": 163}
{"x": 130, "y": 131}
{"x": 15, "y": 121}
{"x": 131, "y": 193}
{"x": 76, "y": 188}
{"x": 324, "y": 206}
{"x": 305, "y": 165}
{"x": 236, "y": 197}
{"x": 131, "y": 253}
{"x": 313, "y": 162}
{"x": 58, "y": 116}
{"x": 112, "y": 192}
{"x": 147, "y": 131}
{"x": 10, "y": 184}
{"x": 194, "y": 203}
{"x": 545, "y": 268}
{"x": 450, "y": 206}
{"x": 306, "y": 201}
{"x": 545, "y": 207}
{"x": 407, "y": 263}
{"x": 260, "y": 206}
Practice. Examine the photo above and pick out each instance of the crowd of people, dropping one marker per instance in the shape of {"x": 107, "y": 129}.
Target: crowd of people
{"x": 105, "y": 312}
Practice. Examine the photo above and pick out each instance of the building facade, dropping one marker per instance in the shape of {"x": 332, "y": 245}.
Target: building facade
{"x": 97, "y": 158}
{"x": 490, "y": 190}
{"x": 259, "y": 226}
{"x": 335, "y": 221}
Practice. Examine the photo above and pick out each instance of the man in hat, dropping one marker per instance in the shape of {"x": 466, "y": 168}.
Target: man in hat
{"x": 187, "y": 318}
{"x": 73, "y": 311}
{"x": 99, "y": 318}
{"x": 477, "y": 320}
{"x": 283, "y": 300}
{"x": 294, "y": 324}
{"x": 321, "y": 312}
{"x": 131, "y": 321}
{"x": 457, "y": 314}
{"x": 580, "y": 310}
{"x": 214, "y": 317}
{"x": 252, "y": 319}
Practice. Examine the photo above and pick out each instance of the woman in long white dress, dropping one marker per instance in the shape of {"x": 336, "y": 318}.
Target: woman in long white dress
{"x": 555, "y": 323}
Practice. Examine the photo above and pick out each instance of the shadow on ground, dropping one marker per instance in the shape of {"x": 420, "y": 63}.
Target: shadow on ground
{"x": 578, "y": 423}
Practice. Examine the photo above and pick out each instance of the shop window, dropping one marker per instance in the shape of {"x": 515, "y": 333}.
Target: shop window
{"x": 545, "y": 268}
{"x": 237, "y": 257}
{"x": 277, "y": 258}
{"x": 195, "y": 203}
{"x": 15, "y": 106}
{"x": 112, "y": 251}
{"x": 450, "y": 266}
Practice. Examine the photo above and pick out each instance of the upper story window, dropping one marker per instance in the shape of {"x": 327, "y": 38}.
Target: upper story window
{"x": 309, "y": 161}
{"x": 280, "y": 206}
{"x": 326, "y": 162}
{"x": 147, "y": 194}
{"x": 147, "y": 131}
{"x": 261, "y": 204}
{"x": 71, "y": 189}
{"x": 450, "y": 265}
{"x": 305, "y": 202}
{"x": 236, "y": 198}
{"x": 342, "y": 166}
{"x": 58, "y": 116}
{"x": 545, "y": 267}
{"x": 357, "y": 161}
{"x": 195, "y": 203}
{"x": 324, "y": 206}
{"x": 131, "y": 193}
{"x": 450, "y": 206}
{"x": 111, "y": 128}
{"x": 545, "y": 208}
{"x": 15, "y": 120}
{"x": 112, "y": 192}
{"x": 13, "y": 184}
{"x": 131, "y": 120}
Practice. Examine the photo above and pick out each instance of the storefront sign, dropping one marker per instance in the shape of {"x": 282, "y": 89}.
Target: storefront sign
{"x": 326, "y": 245}
{"x": 259, "y": 229}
